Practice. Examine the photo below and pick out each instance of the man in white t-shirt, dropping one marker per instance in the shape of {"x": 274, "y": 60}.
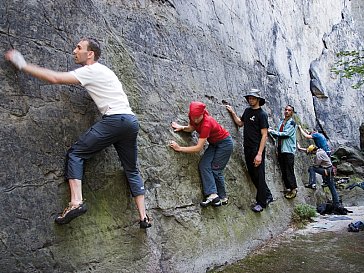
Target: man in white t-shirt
{"x": 118, "y": 127}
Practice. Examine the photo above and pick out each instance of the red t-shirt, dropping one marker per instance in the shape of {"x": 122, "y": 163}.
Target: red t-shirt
{"x": 210, "y": 129}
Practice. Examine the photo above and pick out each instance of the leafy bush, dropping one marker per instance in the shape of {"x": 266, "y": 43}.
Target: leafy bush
{"x": 302, "y": 214}
{"x": 350, "y": 64}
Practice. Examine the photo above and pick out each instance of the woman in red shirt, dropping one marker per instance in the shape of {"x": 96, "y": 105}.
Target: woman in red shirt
{"x": 216, "y": 156}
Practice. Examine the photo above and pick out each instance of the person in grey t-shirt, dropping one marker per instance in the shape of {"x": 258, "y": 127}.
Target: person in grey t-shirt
{"x": 322, "y": 165}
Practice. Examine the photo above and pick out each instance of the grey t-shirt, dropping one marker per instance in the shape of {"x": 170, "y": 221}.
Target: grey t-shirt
{"x": 322, "y": 159}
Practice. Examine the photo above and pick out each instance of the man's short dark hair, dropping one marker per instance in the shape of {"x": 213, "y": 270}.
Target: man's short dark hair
{"x": 93, "y": 45}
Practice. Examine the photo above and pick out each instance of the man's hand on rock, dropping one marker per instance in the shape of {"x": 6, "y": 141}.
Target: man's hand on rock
{"x": 16, "y": 58}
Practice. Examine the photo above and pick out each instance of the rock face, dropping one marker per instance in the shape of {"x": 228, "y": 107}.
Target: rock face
{"x": 167, "y": 53}
{"x": 361, "y": 129}
{"x": 350, "y": 161}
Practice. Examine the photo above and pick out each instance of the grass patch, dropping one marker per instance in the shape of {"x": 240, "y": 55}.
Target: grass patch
{"x": 302, "y": 215}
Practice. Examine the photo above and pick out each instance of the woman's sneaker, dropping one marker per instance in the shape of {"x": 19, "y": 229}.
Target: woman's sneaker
{"x": 213, "y": 201}
{"x": 70, "y": 213}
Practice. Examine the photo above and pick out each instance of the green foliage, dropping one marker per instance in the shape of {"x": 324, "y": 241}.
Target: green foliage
{"x": 351, "y": 64}
{"x": 302, "y": 214}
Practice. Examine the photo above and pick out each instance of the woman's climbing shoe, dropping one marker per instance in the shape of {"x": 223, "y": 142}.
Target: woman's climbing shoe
{"x": 216, "y": 202}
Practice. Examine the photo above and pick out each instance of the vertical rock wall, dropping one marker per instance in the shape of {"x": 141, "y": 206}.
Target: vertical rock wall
{"x": 166, "y": 53}
{"x": 357, "y": 7}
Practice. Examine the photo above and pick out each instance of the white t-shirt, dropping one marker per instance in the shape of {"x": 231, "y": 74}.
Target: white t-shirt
{"x": 104, "y": 88}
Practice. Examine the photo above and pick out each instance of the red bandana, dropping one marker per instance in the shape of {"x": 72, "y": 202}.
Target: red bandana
{"x": 197, "y": 109}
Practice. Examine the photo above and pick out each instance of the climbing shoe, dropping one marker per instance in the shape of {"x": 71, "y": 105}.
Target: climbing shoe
{"x": 70, "y": 213}
{"x": 311, "y": 186}
{"x": 269, "y": 200}
{"x": 145, "y": 223}
{"x": 292, "y": 194}
{"x": 224, "y": 201}
{"x": 215, "y": 202}
{"x": 257, "y": 208}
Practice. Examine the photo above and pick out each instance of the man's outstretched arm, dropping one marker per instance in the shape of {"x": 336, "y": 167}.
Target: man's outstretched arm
{"x": 44, "y": 74}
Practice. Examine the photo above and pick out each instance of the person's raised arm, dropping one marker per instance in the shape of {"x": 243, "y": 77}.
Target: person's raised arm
{"x": 47, "y": 75}
{"x": 304, "y": 133}
{"x": 236, "y": 119}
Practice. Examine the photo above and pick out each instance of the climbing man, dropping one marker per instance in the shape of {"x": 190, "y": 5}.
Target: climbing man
{"x": 255, "y": 122}
{"x": 118, "y": 126}
{"x": 323, "y": 166}
{"x": 319, "y": 139}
